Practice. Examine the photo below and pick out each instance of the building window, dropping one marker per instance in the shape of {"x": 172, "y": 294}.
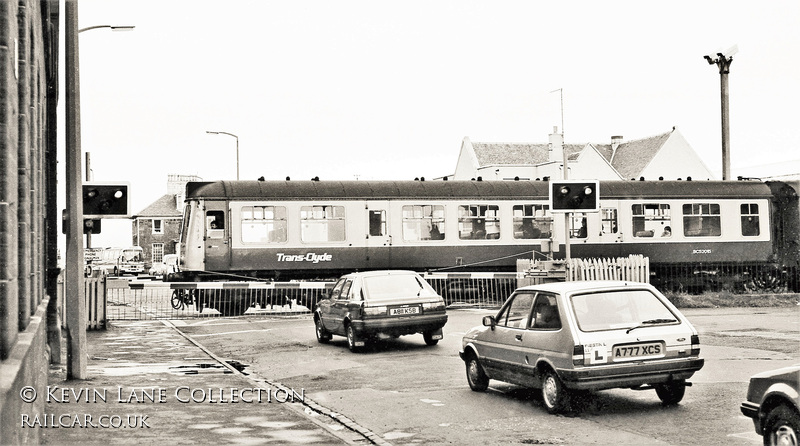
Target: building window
{"x": 423, "y": 222}
{"x": 651, "y": 220}
{"x": 478, "y": 222}
{"x": 750, "y": 223}
{"x": 701, "y": 220}
{"x": 263, "y": 224}
{"x": 158, "y": 226}
{"x": 158, "y": 253}
{"x": 532, "y": 221}
{"x": 322, "y": 223}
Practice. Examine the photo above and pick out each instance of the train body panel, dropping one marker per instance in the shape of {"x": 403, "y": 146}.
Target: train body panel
{"x": 294, "y": 229}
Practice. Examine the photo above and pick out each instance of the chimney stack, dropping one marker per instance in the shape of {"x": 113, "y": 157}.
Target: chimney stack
{"x": 615, "y": 142}
{"x": 555, "y": 149}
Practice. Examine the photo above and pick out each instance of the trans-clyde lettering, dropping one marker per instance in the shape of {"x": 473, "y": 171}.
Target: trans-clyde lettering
{"x": 310, "y": 257}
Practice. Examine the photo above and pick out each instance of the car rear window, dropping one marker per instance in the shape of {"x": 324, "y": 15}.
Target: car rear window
{"x": 618, "y": 309}
{"x": 397, "y": 286}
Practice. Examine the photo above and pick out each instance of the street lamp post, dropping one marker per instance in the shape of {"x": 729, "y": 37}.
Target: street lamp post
{"x": 73, "y": 275}
{"x": 112, "y": 27}
{"x": 88, "y": 165}
{"x": 73, "y": 227}
{"x": 237, "y": 148}
{"x": 723, "y": 61}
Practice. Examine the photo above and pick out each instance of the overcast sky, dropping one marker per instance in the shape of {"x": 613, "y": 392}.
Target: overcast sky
{"x": 388, "y": 90}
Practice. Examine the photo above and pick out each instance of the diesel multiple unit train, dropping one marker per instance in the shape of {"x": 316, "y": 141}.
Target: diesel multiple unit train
{"x": 721, "y": 233}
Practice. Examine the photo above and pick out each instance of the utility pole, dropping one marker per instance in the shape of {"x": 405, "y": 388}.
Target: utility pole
{"x": 723, "y": 61}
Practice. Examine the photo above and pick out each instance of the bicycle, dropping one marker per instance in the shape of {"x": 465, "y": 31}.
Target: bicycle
{"x": 183, "y": 298}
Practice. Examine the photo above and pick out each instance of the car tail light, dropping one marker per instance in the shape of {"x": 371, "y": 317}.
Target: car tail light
{"x": 374, "y": 311}
{"x": 577, "y": 355}
{"x": 433, "y": 306}
{"x": 695, "y": 345}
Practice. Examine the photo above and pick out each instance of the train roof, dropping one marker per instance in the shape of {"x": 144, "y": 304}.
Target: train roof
{"x": 496, "y": 190}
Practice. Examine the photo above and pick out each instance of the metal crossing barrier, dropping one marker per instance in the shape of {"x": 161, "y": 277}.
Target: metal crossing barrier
{"x": 180, "y": 300}
{"x": 141, "y": 300}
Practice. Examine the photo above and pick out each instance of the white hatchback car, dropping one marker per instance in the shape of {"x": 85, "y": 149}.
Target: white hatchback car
{"x": 590, "y": 335}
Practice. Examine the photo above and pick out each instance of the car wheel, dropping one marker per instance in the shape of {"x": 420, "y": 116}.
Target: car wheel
{"x": 322, "y": 334}
{"x": 428, "y": 336}
{"x": 476, "y": 377}
{"x": 671, "y": 393}
{"x": 352, "y": 339}
{"x": 554, "y": 395}
{"x": 781, "y": 426}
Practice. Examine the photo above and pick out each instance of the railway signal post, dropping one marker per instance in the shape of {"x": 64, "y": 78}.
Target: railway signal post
{"x": 569, "y": 196}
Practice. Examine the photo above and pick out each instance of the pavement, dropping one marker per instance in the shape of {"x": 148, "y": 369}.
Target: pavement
{"x": 149, "y": 383}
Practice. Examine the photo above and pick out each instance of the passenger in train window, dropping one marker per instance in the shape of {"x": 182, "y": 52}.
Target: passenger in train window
{"x": 667, "y": 232}
{"x": 435, "y": 233}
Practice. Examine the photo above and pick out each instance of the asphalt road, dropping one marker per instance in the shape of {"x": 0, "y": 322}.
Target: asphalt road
{"x": 409, "y": 393}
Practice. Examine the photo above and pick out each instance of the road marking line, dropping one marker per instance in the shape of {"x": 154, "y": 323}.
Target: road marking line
{"x": 229, "y": 332}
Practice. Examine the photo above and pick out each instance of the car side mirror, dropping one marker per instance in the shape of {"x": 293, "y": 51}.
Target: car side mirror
{"x": 488, "y": 321}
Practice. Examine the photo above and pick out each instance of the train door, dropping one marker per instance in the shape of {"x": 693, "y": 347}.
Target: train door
{"x": 378, "y": 239}
{"x": 217, "y": 236}
{"x": 610, "y": 230}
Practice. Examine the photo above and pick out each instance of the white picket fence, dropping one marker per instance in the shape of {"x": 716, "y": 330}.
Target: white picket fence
{"x": 635, "y": 268}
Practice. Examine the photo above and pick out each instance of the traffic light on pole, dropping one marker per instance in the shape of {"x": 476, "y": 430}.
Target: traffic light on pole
{"x": 576, "y": 195}
{"x": 106, "y": 200}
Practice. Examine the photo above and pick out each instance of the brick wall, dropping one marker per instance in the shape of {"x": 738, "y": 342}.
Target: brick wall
{"x": 28, "y": 83}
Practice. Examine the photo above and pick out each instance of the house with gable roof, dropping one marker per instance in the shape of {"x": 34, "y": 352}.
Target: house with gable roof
{"x": 666, "y": 156}
{"x": 157, "y": 228}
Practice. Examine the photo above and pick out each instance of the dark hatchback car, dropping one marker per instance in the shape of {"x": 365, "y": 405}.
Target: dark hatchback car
{"x": 370, "y": 305}
{"x": 772, "y": 402}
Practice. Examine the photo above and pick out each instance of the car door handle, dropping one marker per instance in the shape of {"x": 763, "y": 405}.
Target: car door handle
{"x": 518, "y": 337}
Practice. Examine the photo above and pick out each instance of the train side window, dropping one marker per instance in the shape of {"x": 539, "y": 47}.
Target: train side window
{"x": 263, "y": 224}
{"x": 701, "y": 220}
{"x": 478, "y": 222}
{"x": 608, "y": 221}
{"x": 423, "y": 222}
{"x": 532, "y": 221}
{"x": 215, "y": 224}
{"x": 578, "y": 225}
{"x": 750, "y": 223}
{"x": 322, "y": 223}
{"x": 651, "y": 220}
{"x": 377, "y": 223}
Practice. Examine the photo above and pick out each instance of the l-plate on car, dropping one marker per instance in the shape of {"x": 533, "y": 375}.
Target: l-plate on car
{"x": 591, "y": 335}
{"x": 365, "y": 306}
